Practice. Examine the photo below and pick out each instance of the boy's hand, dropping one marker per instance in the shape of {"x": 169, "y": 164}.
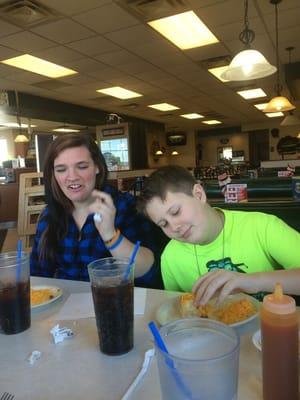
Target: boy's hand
{"x": 103, "y": 205}
{"x": 220, "y": 283}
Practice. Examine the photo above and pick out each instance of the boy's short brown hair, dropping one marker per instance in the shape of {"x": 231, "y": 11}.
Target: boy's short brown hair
{"x": 172, "y": 178}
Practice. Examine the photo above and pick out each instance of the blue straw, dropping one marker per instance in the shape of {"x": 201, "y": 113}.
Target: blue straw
{"x": 160, "y": 343}
{"x": 131, "y": 260}
{"x": 19, "y": 257}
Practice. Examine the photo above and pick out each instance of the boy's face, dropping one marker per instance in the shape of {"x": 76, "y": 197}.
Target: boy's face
{"x": 182, "y": 217}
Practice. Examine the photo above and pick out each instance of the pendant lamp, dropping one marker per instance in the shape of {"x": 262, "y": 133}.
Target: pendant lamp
{"x": 20, "y": 138}
{"x": 249, "y": 63}
{"x": 279, "y": 102}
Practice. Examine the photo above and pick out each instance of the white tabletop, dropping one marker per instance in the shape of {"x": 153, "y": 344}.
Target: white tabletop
{"x": 75, "y": 369}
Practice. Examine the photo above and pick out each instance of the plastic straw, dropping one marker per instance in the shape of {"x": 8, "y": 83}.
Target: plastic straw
{"x": 19, "y": 257}
{"x": 131, "y": 260}
{"x": 160, "y": 343}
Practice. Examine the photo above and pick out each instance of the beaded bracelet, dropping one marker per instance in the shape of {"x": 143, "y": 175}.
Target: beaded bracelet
{"x": 116, "y": 243}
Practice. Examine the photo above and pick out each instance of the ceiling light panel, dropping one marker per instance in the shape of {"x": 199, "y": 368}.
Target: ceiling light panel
{"x": 185, "y": 30}
{"x": 38, "y": 66}
{"x": 252, "y": 93}
{"x": 275, "y": 114}
{"x": 217, "y": 71}
{"x": 119, "y": 92}
{"x": 212, "y": 122}
{"x": 164, "y": 107}
{"x": 15, "y": 125}
{"x": 261, "y": 106}
{"x": 192, "y": 116}
{"x": 65, "y": 130}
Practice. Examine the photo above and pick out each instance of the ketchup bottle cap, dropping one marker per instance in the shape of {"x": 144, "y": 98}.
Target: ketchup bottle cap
{"x": 279, "y": 303}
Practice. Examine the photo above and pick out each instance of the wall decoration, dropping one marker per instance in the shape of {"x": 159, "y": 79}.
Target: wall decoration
{"x": 176, "y": 138}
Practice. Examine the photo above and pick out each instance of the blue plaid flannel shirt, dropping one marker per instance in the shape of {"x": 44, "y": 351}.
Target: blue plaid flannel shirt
{"x": 75, "y": 254}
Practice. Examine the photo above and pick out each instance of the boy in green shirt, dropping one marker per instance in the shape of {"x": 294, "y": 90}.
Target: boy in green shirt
{"x": 214, "y": 251}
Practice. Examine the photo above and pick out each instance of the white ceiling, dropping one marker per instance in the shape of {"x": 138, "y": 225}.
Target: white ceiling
{"x": 110, "y": 44}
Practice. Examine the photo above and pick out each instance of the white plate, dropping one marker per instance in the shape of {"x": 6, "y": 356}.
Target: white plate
{"x": 169, "y": 310}
{"x": 256, "y": 339}
{"x": 55, "y": 291}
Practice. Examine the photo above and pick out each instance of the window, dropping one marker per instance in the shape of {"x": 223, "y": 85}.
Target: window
{"x": 3, "y": 150}
{"x": 115, "y": 152}
{"x": 224, "y": 153}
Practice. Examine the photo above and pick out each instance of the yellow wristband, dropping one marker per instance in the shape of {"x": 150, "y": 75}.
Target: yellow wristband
{"x": 113, "y": 240}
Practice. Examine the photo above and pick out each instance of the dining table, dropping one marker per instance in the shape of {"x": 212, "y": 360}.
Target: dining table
{"x": 75, "y": 369}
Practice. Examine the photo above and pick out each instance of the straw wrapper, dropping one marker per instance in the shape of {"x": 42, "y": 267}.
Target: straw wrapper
{"x": 147, "y": 360}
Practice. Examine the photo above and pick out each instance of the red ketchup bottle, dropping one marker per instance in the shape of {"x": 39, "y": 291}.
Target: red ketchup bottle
{"x": 279, "y": 333}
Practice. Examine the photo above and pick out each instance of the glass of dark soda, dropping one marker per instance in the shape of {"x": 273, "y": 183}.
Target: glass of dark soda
{"x": 15, "y": 315}
{"x": 112, "y": 290}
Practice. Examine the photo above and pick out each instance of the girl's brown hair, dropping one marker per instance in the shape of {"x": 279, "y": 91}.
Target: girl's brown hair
{"x": 59, "y": 206}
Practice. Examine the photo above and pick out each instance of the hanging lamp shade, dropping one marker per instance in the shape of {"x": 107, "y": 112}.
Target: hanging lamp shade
{"x": 20, "y": 138}
{"x": 246, "y": 65}
{"x": 278, "y": 103}
{"x": 249, "y": 63}
{"x": 290, "y": 120}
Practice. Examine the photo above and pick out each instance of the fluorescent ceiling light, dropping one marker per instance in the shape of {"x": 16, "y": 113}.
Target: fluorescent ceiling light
{"x": 261, "y": 106}
{"x": 252, "y": 93}
{"x": 275, "y": 114}
{"x": 15, "y": 125}
{"x": 65, "y": 129}
{"x": 39, "y": 66}
{"x": 211, "y": 122}
{"x": 217, "y": 71}
{"x": 192, "y": 116}
{"x": 164, "y": 107}
{"x": 119, "y": 92}
{"x": 185, "y": 30}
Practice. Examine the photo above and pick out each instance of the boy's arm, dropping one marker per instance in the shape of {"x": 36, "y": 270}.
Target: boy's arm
{"x": 222, "y": 283}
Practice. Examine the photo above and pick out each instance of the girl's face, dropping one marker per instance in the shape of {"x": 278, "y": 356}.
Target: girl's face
{"x": 182, "y": 217}
{"x": 75, "y": 173}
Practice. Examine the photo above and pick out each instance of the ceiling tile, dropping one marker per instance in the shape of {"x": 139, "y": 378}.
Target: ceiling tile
{"x": 108, "y": 18}
{"x": 85, "y": 65}
{"x": 70, "y": 7}
{"x": 26, "y": 42}
{"x": 25, "y": 77}
{"x": 5, "y": 53}
{"x": 63, "y": 31}
{"x": 116, "y": 58}
{"x": 50, "y": 84}
{"x": 94, "y": 45}
{"x": 134, "y": 36}
{"x": 107, "y": 73}
{"x": 206, "y": 52}
{"x": 77, "y": 79}
{"x": 58, "y": 54}
{"x": 7, "y": 28}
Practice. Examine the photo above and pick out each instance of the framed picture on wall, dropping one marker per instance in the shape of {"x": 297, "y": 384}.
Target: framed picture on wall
{"x": 176, "y": 138}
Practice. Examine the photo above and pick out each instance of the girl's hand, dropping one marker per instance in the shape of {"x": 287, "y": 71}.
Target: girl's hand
{"x": 103, "y": 205}
{"x": 220, "y": 283}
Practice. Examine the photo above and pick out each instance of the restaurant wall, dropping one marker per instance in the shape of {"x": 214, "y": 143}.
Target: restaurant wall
{"x": 187, "y": 152}
{"x": 210, "y": 144}
{"x": 282, "y": 132}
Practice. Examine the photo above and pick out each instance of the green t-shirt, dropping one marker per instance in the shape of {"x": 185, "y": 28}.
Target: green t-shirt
{"x": 249, "y": 242}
